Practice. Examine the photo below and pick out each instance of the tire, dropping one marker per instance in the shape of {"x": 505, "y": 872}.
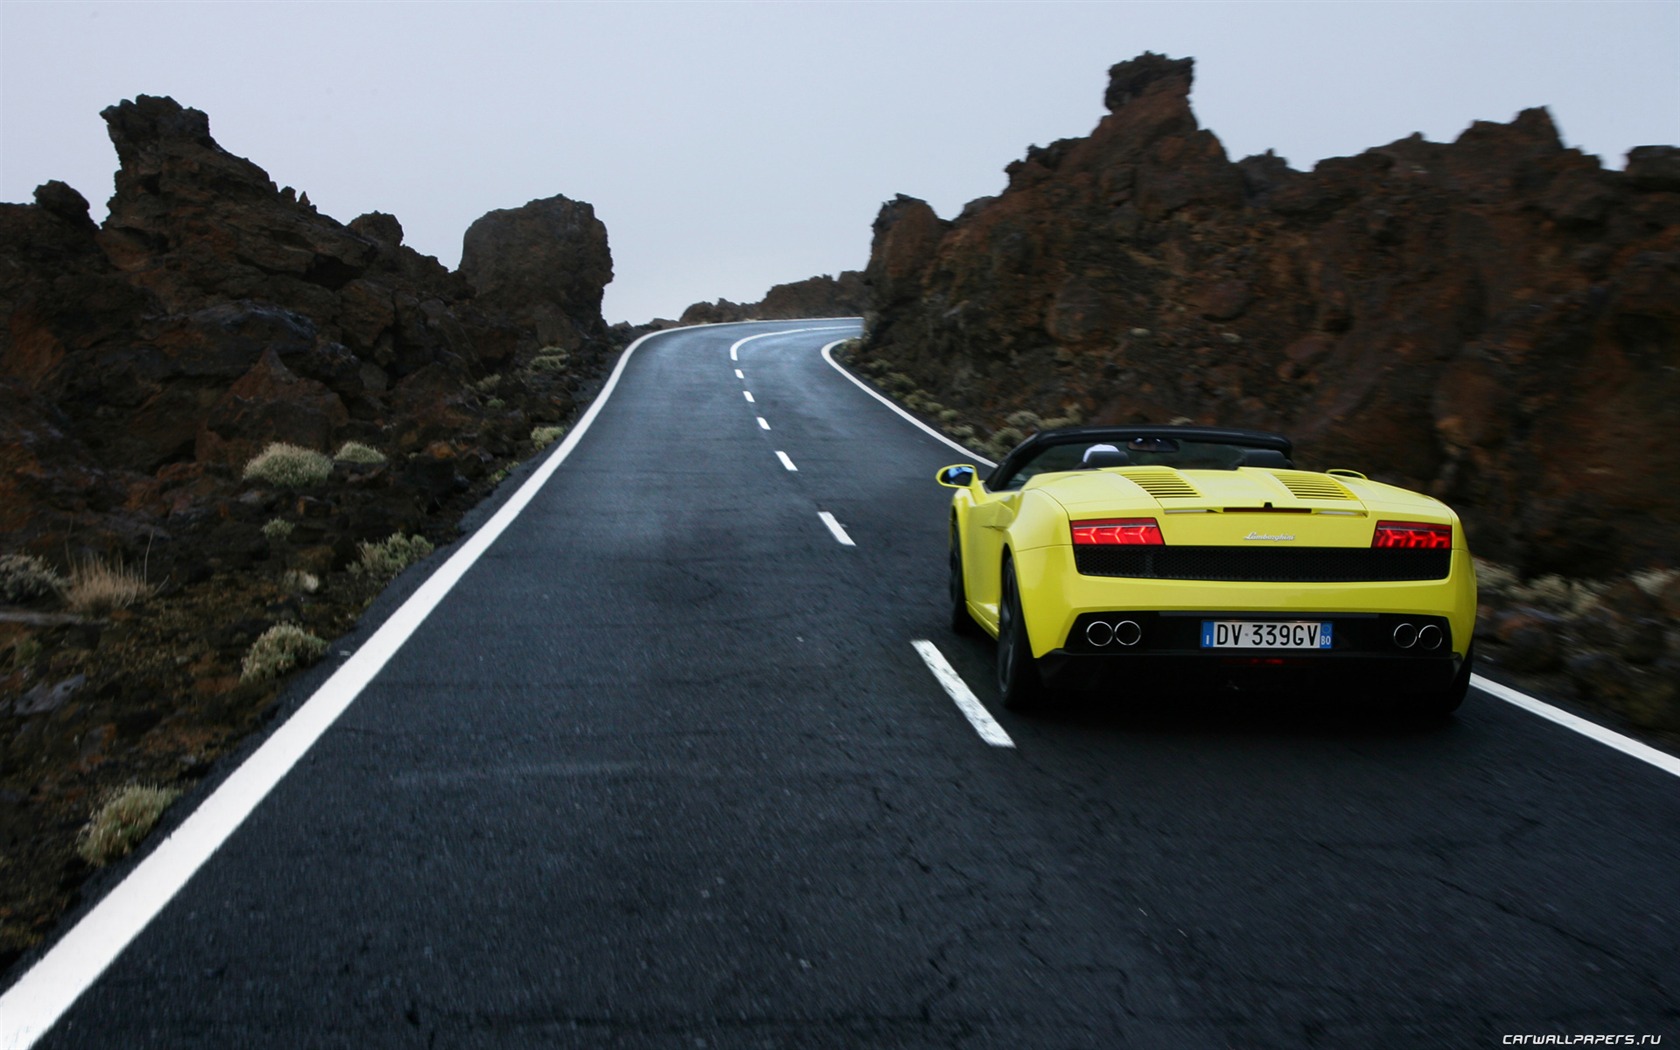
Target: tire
{"x": 1018, "y": 680}
{"x": 1439, "y": 705}
{"x": 961, "y": 622}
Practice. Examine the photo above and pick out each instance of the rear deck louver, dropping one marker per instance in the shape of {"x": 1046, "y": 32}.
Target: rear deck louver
{"x": 1160, "y": 482}
{"x": 1303, "y": 485}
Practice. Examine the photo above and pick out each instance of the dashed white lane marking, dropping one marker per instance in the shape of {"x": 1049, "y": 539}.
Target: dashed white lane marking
{"x": 1661, "y": 759}
{"x": 763, "y": 424}
{"x": 971, "y": 707}
{"x": 786, "y": 462}
{"x": 740, "y": 374}
{"x": 835, "y": 527}
{"x": 747, "y": 394}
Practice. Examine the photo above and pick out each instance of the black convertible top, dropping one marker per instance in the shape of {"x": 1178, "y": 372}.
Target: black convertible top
{"x": 1138, "y": 436}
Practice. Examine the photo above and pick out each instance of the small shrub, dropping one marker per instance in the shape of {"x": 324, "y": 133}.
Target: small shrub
{"x": 300, "y": 581}
{"x": 356, "y": 452}
{"x": 119, "y": 824}
{"x": 276, "y": 529}
{"x": 1003, "y": 439}
{"x": 899, "y": 383}
{"x": 97, "y": 587}
{"x": 383, "y": 560}
{"x": 288, "y": 466}
{"x": 544, "y": 436}
{"x": 489, "y": 383}
{"x": 278, "y": 650}
{"x": 948, "y": 415}
{"x": 550, "y": 360}
{"x": 495, "y": 404}
{"x": 961, "y": 432}
{"x": 24, "y": 577}
{"x": 1024, "y": 421}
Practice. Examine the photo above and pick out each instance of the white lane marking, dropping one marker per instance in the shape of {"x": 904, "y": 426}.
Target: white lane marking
{"x": 763, "y": 424}
{"x": 1661, "y": 759}
{"x": 734, "y": 350}
{"x": 828, "y": 355}
{"x": 786, "y": 462}
{"x": 747, "y": 394}
{"x": 40, "y": 997}
{"x": 970, "y": 705}
{"x": 740, "y": 374}
{"x": 835, "y": 527}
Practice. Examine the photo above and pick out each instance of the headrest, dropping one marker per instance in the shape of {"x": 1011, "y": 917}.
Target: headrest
{"x": 1105, "y": 456}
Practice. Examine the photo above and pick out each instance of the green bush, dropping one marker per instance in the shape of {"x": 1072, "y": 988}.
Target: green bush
{"x": 277, "y": 529}
{"x": 24, "y": 577}
{"x": 544, "y": 436}
{"x": 356, "y": 452}
{"x": 552, "y": 359}
{"x": 393, "y": 554}
{"x": 288, "y": 466}
{"x": 1003, "y": 439}
{"x": 278, "y": 650}
{"x": 119, "y": 824}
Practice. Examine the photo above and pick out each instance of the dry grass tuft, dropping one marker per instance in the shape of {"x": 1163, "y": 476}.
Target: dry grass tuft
{"x": 97, "y": 587}
{"x": 119, "y": 824}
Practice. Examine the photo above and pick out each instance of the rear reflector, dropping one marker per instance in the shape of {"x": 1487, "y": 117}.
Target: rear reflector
{"x": 1122, "y": 532}
{"x": 1412, "y": 534}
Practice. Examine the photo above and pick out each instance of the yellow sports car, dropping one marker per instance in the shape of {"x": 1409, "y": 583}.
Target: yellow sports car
{"x": 1120, "y": 558}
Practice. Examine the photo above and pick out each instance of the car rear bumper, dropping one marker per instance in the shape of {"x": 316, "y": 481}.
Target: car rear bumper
{"x": 1357, "y": 674}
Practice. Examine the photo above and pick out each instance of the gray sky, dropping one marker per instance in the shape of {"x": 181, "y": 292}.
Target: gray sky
{"x": 732, "y": 146}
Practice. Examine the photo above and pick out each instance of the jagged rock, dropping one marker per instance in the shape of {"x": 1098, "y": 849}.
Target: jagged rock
{"x": 1494, "y": 320}
{"x": 545, "y": 264}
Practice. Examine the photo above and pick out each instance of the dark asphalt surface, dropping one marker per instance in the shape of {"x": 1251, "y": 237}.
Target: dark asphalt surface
{"x": 664, "y": 771}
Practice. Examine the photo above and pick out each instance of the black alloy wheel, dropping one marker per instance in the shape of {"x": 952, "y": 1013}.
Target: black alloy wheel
{"x": 1017, "y": 672}
{"x": 961, "y": 622}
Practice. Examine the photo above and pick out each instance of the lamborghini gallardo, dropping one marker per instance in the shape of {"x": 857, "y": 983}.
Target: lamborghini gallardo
{"x": 1134, "y": 560}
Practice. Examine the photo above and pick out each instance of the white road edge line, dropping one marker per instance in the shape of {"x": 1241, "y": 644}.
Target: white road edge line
{"x": 828, "y": 355}
{"x": 970, "y": 705}
{"x": 1645, "y": 753}
{"x": 763, "y": 424}
{"x": 1610, "y": 738}
{"x": 786, "y": 462}
{"x": 835, "y": 527}
{"x": 47, "y": 989}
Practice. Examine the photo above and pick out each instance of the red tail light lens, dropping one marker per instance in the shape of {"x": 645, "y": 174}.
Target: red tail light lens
{"x": 1413, "y": 534}
{"x": 1122, "y": 532}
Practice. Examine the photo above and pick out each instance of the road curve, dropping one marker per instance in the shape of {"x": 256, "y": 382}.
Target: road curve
{"x": 664, "y": 769}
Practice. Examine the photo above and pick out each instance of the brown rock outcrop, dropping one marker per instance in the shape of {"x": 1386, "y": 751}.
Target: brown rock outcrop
{"x": 1495, "y": 320}
{"x": 544, "y": 265}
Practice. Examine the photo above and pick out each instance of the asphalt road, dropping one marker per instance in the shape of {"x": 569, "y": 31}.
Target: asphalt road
{"x": 664, "y": 770}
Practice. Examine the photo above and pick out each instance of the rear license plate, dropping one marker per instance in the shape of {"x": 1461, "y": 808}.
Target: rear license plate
{"x": 1265, "y": 634}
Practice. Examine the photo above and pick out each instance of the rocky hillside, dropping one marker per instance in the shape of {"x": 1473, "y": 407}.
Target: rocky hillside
{"x": 822, "y": 296}
{"x": 146, "y": 363}
{"x": 1495, "y": 320}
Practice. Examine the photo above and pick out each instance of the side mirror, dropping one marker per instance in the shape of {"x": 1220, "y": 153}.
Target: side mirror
{"x": 959, "y": 476}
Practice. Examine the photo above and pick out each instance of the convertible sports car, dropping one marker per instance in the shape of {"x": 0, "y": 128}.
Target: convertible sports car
{"x": 1125, "y": 558}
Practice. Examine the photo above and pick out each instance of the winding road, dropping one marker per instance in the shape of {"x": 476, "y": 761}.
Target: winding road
{"x": 664, "y": 767}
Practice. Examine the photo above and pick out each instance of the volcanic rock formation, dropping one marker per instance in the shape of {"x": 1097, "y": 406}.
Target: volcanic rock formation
{"x": 821, "y": 296}
{"x": 1495, "y": 320}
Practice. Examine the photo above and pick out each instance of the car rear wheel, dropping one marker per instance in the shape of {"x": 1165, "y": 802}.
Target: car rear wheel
{"x": 1017, "y": 672}
{"x": 961, "y": 622}
{"x": 1438, "y": 705}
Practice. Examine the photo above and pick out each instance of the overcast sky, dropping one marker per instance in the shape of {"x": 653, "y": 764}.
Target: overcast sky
{"x": 732, "y": 146}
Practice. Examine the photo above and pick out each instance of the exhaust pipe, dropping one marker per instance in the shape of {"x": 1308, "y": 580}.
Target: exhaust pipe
{"x": 1405, "y": 636}
{"x": 1429, "y": 637}
{"x": 1099, "y": 634}
{"x": 1126, "y": 633}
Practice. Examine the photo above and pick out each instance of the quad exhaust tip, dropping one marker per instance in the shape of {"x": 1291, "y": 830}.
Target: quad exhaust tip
{"x": 1125, "y": 632}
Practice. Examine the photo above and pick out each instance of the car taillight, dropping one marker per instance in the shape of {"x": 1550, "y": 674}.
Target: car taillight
{"x": 1126, "y": 532}
{"x": 1412, "y": 534}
